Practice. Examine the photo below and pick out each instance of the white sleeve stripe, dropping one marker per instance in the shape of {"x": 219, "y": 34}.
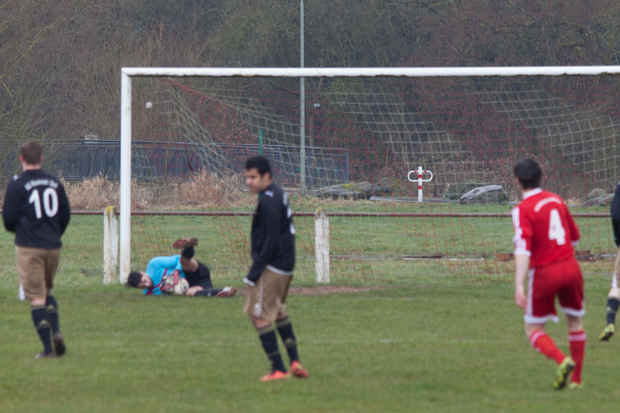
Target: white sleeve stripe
{"x": 520, "y": 244}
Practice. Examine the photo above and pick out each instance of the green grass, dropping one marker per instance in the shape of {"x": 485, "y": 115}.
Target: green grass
{"x": 423, "y": 347}
{"x": 431, "y": 342}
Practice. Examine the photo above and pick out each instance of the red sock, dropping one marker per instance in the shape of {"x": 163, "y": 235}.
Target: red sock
{"x": 543, "y": 344}
{"x": 577, "y": 341}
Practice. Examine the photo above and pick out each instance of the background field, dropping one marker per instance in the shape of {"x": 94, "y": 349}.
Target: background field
{"x": 427, "y": 342}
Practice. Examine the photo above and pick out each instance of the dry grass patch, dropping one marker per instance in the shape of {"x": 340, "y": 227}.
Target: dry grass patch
{"x": 201, "y": 191}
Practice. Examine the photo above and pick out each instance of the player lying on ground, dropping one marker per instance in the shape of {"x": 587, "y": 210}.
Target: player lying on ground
{"x": 196, "y": 273}
{"x": 544, "y": 237}
{"x": 269, "y": 278}
{"x": 613, "y": 298}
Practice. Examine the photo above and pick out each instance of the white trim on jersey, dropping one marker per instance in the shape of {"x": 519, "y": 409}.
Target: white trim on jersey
{"x": 573, "y": 312}
{"x": 520, "y": 244}
{"x": 574, "y": 243}
{"x": 278, "y": 271}
{"x": 532, "y": 192}
{"x": 545, "y": 201}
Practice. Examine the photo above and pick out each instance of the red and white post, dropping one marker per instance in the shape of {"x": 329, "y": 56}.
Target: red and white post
{"x": 420, "y": 172}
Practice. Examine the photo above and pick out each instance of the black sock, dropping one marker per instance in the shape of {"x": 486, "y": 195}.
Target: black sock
{"x": 612, "y": 309}
{"x": 52, "y": 310}
{"x": 285, "y": 328}
{"x": 270, "y": 345}
{"x": 42, "y": 324}
{"x": 188, "y": 252}
{"x": 208, "y": 292}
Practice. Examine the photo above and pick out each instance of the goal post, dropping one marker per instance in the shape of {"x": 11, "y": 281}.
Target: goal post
{"x": 128, "y": 75}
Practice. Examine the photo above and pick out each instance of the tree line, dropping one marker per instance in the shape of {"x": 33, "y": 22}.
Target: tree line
{"x": 60, "y": 60}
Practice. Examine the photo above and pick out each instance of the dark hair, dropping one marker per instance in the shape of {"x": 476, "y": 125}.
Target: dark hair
{"x": 260, "y": 163}
{"x": 528, "y": 172}
{"x": 134, "y": 279}
{"x": 32, "y": 152}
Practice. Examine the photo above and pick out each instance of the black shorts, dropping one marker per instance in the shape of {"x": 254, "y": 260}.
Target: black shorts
{"x": 200, "y": 277}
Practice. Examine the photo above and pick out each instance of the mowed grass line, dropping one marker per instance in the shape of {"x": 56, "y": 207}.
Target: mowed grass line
{"x": 421, "y": 347}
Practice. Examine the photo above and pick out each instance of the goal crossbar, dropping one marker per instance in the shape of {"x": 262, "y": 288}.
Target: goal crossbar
{"x": 129, "y": 72}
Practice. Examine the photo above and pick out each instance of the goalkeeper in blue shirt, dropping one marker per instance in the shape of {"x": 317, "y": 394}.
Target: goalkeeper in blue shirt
{"x": 196, "y": 273}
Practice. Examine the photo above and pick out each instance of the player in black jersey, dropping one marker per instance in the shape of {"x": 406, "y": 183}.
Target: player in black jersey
{"x": 37, "y": 210}
{"x": 269, "y": 278}
{"x": 613, "y": 297}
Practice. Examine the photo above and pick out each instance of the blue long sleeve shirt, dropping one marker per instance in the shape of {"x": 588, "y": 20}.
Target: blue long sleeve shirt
{"x": 158, "y": 268}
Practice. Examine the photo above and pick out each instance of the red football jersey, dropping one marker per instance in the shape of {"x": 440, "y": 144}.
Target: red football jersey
{"x": 544, "y": 228}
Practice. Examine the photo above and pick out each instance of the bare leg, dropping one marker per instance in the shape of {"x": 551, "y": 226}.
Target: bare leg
{"x": 193, "y": 290}
{"x": 189, "y": 264}
{"x": 530, "y": 328}
{"x": 574, "y": 324}
{"x": 259, "y": 323}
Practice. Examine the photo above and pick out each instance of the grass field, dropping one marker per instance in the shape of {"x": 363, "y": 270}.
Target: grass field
{"x": 427, "y": 343}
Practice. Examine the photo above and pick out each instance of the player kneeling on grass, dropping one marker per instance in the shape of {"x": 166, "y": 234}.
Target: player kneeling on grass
{"x": 273, "y": 255}
{"x": 165, "y": 274}
{"x": 613, "y": 298}
{"x": 544, "y": 237}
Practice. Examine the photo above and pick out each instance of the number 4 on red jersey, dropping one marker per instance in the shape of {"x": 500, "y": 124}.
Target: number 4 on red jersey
{"x": 544, "y": 228}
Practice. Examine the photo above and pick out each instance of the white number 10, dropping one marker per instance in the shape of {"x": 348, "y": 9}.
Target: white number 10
{"x": 50, "y": 202}
{"x": 556, "y": 230}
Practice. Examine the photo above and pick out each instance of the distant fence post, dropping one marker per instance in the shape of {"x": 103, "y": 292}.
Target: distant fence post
{"x": 321, "y": 246}
{"x": 110, "y": 246}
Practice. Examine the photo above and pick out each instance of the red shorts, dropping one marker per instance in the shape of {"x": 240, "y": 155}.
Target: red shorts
{"x": 562, "y": 279}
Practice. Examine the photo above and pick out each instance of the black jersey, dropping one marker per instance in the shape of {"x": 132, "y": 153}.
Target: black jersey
{"x": 615, "y": 215}
{"x": 36, "y": 209}
{"x": 273, "y": 234}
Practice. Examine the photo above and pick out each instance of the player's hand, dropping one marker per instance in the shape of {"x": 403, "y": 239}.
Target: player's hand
{"x": 520, "y": 297}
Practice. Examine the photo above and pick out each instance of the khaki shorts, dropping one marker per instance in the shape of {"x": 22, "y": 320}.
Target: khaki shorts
{"x": 36, "y": 268}
{"x": 268, "y": 297}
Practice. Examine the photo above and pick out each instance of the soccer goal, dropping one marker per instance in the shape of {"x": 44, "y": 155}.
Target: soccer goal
{"x": 357, "y": 147}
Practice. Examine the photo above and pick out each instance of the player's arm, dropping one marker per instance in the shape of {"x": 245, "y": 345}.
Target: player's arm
{"x": 64, "y": 209}
{"x": 169, "y": 263}
{"x": 10, "y": 210}
{"x": 522, "y": 240}
{"x": 522, "y": 263}
{"x": 271, "y": 226}
{"x": 178, "y": 268}
{"x": 572, "y": 228}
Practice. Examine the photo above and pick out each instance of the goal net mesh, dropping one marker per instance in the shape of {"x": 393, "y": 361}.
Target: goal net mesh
{"x": 191, "y": 137}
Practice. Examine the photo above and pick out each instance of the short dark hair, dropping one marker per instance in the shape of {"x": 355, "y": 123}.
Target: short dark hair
{"x": 260, "y": 163}
{"x": 32, "y": 152}
{"x": 528, "y": 173}
{"x": 134, "y": 279}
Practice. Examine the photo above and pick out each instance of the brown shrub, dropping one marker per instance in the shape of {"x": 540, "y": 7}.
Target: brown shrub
{"x": 208, "y": 189}
{"x": 92, "y": 194}
{"x": 202, "y": 190}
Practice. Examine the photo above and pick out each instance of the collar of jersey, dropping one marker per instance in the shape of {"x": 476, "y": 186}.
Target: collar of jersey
{"x": 532, "y": 192}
